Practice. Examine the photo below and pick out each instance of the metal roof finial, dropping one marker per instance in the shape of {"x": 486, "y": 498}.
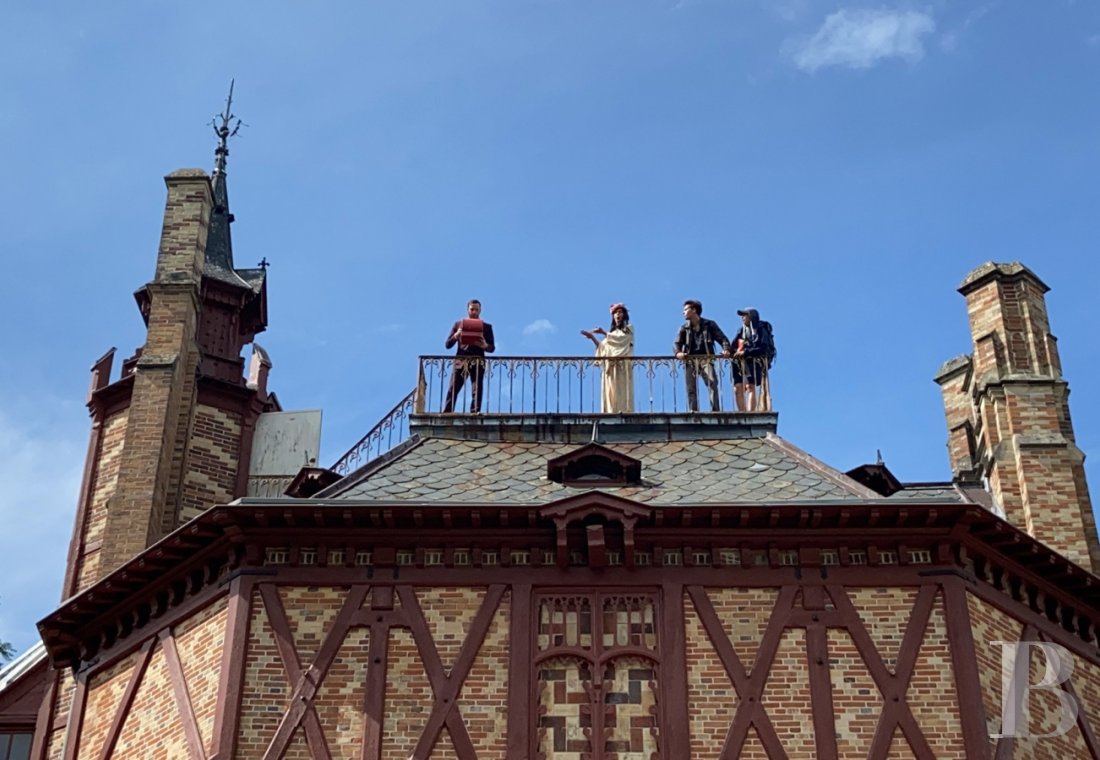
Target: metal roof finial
{"x": 225, "y": 130}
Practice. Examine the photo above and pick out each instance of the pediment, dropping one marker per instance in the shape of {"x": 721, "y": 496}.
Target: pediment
{"x": 593, "y": 465}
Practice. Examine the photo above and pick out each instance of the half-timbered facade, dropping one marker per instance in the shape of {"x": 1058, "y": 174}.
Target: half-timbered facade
{"x": 543, "y": 582}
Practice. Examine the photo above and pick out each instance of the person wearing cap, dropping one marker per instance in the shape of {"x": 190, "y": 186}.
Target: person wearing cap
{"x": 695, "y": 347}
{"x": 751, "y": 360}
{"x": 617, "y": 391}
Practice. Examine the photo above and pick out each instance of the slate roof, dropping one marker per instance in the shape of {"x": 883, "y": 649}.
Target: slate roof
{"x": 673, "y": 472}
{"x": 925, "y": 491}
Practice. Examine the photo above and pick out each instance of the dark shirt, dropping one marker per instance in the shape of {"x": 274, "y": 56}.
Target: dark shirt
{"x": 701, "y": 339}
{"x": 471, "y": 350}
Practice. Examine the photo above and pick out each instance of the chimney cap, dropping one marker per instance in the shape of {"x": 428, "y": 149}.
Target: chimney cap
{"x": 992, "y": 270}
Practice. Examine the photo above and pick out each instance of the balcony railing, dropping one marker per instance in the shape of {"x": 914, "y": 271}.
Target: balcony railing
{"x": 512, "y": 385}
{"x": 574, "y": 385}
{"x": 390, "y": 431}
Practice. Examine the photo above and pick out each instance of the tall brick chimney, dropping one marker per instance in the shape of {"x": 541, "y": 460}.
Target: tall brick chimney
{"x": 1007, "y": 409}
{"x": 173, "y": 436}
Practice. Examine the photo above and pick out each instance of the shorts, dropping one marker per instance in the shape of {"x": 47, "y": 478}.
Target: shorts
{"x": 748, "y": 371}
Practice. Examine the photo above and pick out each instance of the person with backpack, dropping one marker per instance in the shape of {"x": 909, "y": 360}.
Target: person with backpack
{"x": 751, "y": 361}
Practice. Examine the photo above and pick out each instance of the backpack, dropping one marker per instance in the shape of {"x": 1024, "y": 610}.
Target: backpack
{"x": 767, "y": 337}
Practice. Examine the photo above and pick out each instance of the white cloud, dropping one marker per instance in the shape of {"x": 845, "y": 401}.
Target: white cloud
{"x": 949, "y": 41}
{"x": 861, "y": 38}
{"x": 1093, "y": 40}
{"x": 539, "y": 327}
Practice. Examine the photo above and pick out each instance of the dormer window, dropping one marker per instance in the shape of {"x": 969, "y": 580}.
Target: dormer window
{"x": 594, "y": 465}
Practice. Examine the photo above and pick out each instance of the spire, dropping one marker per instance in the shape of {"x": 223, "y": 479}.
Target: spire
{"x": 219, "y": 242}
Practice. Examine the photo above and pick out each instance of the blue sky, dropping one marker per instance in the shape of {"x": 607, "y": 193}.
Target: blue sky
{"x": 840, "y": 166}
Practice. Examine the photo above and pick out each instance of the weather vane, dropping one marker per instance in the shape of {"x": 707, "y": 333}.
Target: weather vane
{"x": 225, "y": 129}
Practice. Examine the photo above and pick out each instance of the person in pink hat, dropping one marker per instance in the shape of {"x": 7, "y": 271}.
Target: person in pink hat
{"x": 615, "y": 345}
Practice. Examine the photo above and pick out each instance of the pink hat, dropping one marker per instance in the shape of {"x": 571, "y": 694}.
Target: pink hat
{"x": 618, "y": 306}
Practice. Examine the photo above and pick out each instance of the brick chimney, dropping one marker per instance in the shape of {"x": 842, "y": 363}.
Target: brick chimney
{"x": 164, "y": 375}
{"x": 1007, "y": 409}
{"x": 173, "y": 436}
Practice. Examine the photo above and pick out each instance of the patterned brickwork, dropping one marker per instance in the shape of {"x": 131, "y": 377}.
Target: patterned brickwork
{"x": 152, "y": 729}
{"x": 900, "y": 749}
{"x": 711, "y": 697}
{"x": 857, "y": 702}
{"x": 103, "y": 486}
{"x": 1045, "y": 716}
{"x": 449, "y": 612}
{"x": 744, "y": 613}
{"x": 786, "y": 698}
{"x": 339, "y": 700}
{"x": 444, "y": 748}
{"x": 753, "y": 748}
{"x": 310, "y": 612}
{"x": 629, "y": 704}
{"x": 885, "y": 614}
{"x": 990, "y": 624}
{"x": 484, "y": 696}
{"x": 212, "y": 461}
{"x": 105, "y": 691}
{"x": 140, "y": 507}
{"x": 297, "y": 749}
{"x": 565, "y": 719}
{"x": 408, "y": 697}
{"x": 200, "y": 641}
{"x": 1018, "y": 394}
{"x": 931, "y": 694}
{"x": 265, "y": 691}
{"x": 1086, "y": 681}
{"x": 61, "y": 715}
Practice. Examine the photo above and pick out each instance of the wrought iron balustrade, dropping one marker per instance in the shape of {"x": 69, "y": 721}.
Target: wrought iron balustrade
{"x": 573, "y": 384}
{"x": 391, "y": 430}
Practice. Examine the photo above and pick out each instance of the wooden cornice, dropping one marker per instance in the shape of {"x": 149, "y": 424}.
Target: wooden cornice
{"x": 963, "y": 539}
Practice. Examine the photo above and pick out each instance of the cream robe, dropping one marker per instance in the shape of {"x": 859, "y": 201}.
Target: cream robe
{"x": 618, "y": 376}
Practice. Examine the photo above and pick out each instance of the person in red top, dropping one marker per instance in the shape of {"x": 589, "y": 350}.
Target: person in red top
{"x": 469, "y": 360}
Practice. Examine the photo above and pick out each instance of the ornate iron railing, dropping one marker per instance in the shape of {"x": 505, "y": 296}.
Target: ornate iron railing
{"x": 574, "y": 385}
{"x": 390, "y": 431}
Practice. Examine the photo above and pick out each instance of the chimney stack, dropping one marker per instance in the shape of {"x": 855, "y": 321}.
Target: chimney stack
{"x": 1007, "y": 409}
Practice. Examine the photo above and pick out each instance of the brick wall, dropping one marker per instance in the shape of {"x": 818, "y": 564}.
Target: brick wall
{"x": 163, "y": 388}
{"x": 1018, "y": 403}
{"x": 200, "y": 641}
{"x": 102, "y": 489}
{"x": 105, "y": 691}
{"x": 991, "y": 624}
{"x": 212, "y": 461}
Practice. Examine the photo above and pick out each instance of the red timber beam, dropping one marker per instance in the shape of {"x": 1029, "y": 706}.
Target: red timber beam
{"x": 675, "y": 733}
{"x": 446, "y": 686}
{"x": 379, "y": 618}
{"x": 749, "y": 687}
{"x": 960, "y": 639}
{"x": 896, "y": 711}
{"x": 305, "y": 682}
{"x": 231, "y": 678}
{"x": 521, "y": 689}
{"x": 127, "y": 701}
{"x": 183, "y": 701}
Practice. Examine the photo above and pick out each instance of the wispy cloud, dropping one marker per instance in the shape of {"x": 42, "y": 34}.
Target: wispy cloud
{"x": 390, "y": 328}
{"x": 539, "y": 327}
{"x": 950, "y": 39}
{"x": 862, "y": 38}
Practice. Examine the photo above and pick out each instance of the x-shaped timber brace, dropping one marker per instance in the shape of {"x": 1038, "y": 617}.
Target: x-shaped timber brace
{"x": 379, "y": 618}
{"x": 815, "y": 618}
